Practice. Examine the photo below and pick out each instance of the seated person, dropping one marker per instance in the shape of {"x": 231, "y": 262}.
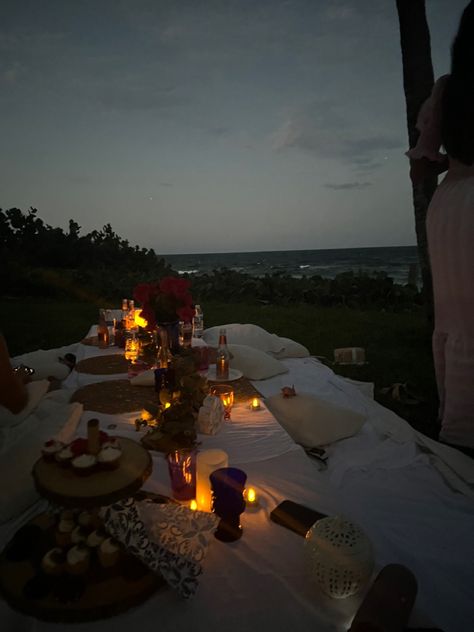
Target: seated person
{"x": 13, "y": 393}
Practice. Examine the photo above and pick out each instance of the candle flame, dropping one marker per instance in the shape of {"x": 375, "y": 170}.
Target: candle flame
{"x": 193, "y": 505}
{"x": 251, "y": 495}
{"x": 139, "y": 320}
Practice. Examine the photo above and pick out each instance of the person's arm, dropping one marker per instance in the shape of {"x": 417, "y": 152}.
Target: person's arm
{"x": 426, "y": 158}
{"x": 13, "y": 393}
{"x": 422, "y": 168}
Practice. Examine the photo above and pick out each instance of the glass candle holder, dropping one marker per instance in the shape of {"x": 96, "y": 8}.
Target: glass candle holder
{"x": 226, "y": 394}
{"x": 132, "y": 349}
{"x": 227, "y": 485}
{"x": 182, "y": 471}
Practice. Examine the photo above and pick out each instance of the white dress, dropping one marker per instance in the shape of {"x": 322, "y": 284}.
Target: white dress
{"x": 450, "y": 231}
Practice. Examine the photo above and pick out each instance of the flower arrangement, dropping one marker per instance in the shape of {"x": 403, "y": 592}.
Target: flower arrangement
{"x": 165, "y": 301}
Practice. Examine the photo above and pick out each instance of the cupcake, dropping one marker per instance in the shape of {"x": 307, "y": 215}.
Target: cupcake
{"x": 78, "y": 535}
{"x": 84, "y": 464}
{"x": 108, "y": 458}
{"x": 111, "y": 442}
{"x": 109, "y": 552}
{"x": 64, "y": 531}
{"x": 78, "y": 559}
{"x": 64, "y": 456}
{"x": 95, "y": 539}
{"x": 51, "y": 448}
{"x": 54, "y": 562}
{"x": 85, "y": 520}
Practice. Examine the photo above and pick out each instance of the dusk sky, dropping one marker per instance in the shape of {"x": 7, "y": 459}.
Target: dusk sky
{"x": 212, "y": 126}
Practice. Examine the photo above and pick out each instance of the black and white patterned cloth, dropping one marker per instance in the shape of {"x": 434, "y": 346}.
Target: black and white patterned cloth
{"x": 169, "y": 538}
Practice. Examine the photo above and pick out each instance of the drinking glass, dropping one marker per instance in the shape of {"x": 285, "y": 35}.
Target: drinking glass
{"x": 226, "y": 394}
{"x": 182, "y": 470}
{"x": 227, "y": 490}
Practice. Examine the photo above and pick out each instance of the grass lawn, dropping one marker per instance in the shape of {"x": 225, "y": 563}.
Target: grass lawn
{"x": 398, "y": 345}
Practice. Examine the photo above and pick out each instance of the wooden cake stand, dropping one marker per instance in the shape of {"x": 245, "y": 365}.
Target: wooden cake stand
{"x": 100, "y": 592}
{"x": 63, "y": 486}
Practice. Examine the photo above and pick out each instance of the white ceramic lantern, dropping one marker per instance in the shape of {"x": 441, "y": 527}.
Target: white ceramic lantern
{"x": 340, "y": 556}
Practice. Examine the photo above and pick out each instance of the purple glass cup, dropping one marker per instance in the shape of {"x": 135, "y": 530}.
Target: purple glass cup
{"x": 182, "y": 469}
{"x": 227, "y": 487}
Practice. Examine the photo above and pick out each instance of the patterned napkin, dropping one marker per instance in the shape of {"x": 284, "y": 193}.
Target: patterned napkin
{"x": 169, "y": 538}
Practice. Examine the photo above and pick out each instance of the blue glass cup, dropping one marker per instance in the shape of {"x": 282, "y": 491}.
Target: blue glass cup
{"x": 227, "y": 493}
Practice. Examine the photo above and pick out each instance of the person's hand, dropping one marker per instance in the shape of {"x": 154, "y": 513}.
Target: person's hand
{"x": 23, "y": 373}
{"x": 424, "y": 168}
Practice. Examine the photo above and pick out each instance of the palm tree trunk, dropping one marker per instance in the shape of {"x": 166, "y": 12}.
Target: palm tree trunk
{"x": 418, "y": 82}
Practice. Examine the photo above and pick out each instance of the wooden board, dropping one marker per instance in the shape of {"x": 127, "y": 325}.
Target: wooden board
{"x": 65, "y": 487}
{"x": 115, "y": 397}
{"x": 103, "y": 365}
{"x": 106, "y": 592}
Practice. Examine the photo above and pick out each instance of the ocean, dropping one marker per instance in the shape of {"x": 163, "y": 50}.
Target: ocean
{"x": 395, "y": 262}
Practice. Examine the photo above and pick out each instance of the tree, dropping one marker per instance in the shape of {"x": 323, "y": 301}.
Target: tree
{"x": 418, "y": 82}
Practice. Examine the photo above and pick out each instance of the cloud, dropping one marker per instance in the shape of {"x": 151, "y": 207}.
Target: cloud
{"x": 327, "y": 130}
{"x": 140, "y": 97}
{"x": 344, "y": 186}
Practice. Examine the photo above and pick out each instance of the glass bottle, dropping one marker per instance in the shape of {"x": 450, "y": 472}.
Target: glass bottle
{"x": 222, "y": 357}
{"x": 198, "y": 322}
{"x": 102, "y": 331}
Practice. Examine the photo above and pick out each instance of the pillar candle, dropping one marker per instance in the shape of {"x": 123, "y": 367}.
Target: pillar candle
{"x": 207, "y": 461}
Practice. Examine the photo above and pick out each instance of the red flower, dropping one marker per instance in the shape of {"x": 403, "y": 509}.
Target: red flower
{"x": 165, "y": 301}
{"x": 174, "y": 286}
{"x": 144, "y": 292}
{"x": 186, "y": 313}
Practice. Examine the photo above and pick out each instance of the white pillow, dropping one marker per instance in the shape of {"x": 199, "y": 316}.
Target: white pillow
{"x": 311, "y": 421}
{"x": 291, "y": 349}
{"x": 250, "y": 335}
{"x": 254, "y": 364}
{"x": 36, "y": 391}
{"x": 24, "y": 448}
{"x": 145, "y": 378}
{"x": 46, "y": 362}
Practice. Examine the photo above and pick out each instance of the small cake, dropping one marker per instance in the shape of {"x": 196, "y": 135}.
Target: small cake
{"x": 53, "y": 563}
{"x": 109, "y": 457}
{"x": 64, "y": 456}
{"x": 95, "y": 539}
{"x": 64, "y": 531}
{"x": 85, "y": 520}
{"x": 84, "y": 464}
{"x": 111, "y": 442}
{"x": 109, "y": 552}
{"x": 78, "y": 559}
{"x": 78, "y": 535}
{"x": 51, "y": 448}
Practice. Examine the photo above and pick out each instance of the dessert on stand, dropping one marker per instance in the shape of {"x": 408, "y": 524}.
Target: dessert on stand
{"x": 63, "y": 565}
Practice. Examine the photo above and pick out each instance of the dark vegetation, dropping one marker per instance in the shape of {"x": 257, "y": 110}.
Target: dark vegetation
{"x": 53, "y": 281}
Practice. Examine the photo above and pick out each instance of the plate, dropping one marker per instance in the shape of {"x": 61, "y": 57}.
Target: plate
{"x": 234, "y": 374}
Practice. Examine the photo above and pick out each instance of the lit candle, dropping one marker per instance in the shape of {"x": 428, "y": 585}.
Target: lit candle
{"x": 193, "y": 505}
{"x": 251, "y": 498}
{"x": 139, "y": 320}
{"x": 255, "y": 404}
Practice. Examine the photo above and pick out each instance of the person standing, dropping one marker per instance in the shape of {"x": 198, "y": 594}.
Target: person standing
{"x": 447, "y": 119}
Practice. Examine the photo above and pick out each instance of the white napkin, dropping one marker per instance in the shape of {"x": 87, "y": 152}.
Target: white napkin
{"x": 147, "y": 378}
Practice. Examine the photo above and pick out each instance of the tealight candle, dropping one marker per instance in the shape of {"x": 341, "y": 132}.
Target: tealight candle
{"x": 251, "y": 499}
{"x": 255, "y": 404}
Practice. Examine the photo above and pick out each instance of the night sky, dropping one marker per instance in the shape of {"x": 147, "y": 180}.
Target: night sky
{"x": 212, "y": 126}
